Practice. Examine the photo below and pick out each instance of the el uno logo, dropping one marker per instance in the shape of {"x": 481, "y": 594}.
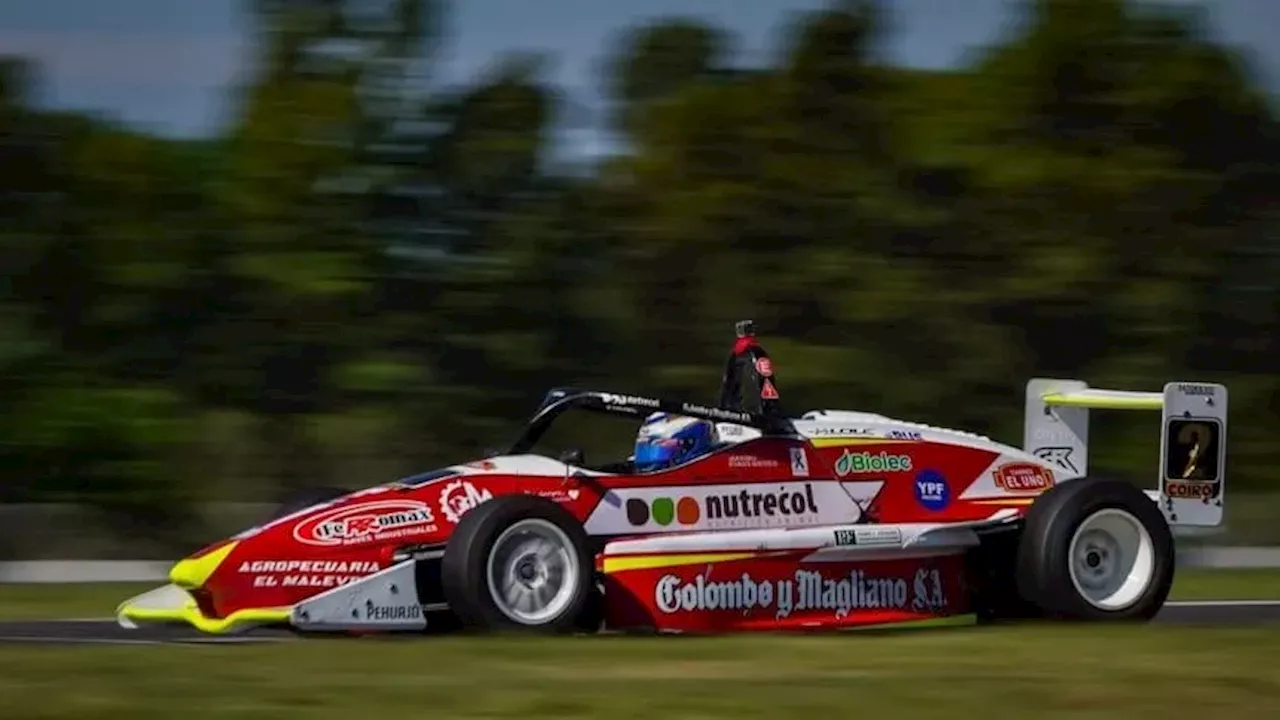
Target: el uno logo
{"x": 932, "y": 490}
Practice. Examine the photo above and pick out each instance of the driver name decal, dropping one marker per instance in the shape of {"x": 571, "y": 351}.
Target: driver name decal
{"x": 366, "y": 522}
{"x": 728, "y": 507}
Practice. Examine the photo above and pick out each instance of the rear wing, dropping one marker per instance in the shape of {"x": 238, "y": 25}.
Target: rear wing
{"x": 1193, "y": 438}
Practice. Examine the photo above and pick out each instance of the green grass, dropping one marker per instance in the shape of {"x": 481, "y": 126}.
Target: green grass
{"x": 99, "y": 600}
{"x": 1153, "y": 671}
{"x": 1133, "y": 673}
{"x": 1250, "y": 584}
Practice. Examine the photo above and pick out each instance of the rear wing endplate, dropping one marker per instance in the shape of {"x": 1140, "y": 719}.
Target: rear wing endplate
{"x": 1193, "y": 438}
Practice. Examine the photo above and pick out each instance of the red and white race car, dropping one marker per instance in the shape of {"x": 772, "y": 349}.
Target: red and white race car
{"x": 830, "y": 519}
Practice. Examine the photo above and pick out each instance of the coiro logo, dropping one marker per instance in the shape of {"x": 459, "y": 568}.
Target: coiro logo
{"x": 852, "y": 463}
{"x": 748, "y": 504}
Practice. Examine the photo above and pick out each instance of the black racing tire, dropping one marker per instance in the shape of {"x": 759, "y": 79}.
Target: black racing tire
{"x": 992, "y": 570}
{"x": 300, "y": 499}
{"x": 466, "y": 577}
{"x": 1117, "y": 529}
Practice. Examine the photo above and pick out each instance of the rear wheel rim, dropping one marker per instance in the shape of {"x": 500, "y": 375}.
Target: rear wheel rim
{"x": 1111, "y": 560}
{"x": 532, "y": 572}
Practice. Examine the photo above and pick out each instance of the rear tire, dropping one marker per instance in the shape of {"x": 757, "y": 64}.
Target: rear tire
{"x": 518, "y": 563}
{"x": 1096, "y": 550}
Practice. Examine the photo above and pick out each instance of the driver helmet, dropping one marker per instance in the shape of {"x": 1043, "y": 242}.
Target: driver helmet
{"x": 665, "y": 440}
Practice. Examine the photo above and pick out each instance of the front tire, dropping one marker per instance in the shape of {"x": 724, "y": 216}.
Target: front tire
{"x": 1096, "y": 550}
{"x": 518, "y": 563}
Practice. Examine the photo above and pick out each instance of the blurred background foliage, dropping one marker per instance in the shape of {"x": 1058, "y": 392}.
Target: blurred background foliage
{"x": 361, "y": 278}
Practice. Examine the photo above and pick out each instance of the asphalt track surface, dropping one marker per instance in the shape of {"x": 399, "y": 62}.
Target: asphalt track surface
{"x": 99, "y": 631}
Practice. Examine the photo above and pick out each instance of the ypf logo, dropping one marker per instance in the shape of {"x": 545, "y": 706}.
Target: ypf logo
{"x": 932, "y": 490}
{"x": 663, "y": 510}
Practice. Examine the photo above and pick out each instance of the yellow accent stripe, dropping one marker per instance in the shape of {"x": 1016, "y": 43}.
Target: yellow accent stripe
{"x": 1104, "y": 403}
{"x": 214, "y": 626}
{"x": 193, "y": 572}
{"x": 622, "y": 563}
{"x": 824, "y": 442}
{"x": 1005, "y": 501}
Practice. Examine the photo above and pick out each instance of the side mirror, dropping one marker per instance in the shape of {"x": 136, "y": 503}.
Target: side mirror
{"x": 572, "y": 456}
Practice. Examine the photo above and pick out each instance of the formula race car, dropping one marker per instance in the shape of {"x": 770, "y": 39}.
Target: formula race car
{"x": 825, "y": 520}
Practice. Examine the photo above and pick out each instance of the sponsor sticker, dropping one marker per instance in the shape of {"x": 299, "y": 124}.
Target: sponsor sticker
{"x": 559, "y": 495}
{"x": 1182, "y": 490}
{"x": 786, "y": 501}
{"x": 366, "y": 522}
{"x": 307, "y": 573}
{"x": 460, "y": 496}
{"x": 360, "y": 567}
{"x": 1021, "y": 477}
{"x": 932, "y": 490}
{"x": 825, "y": 431}
{"x": 904, "y": 435}
{"x": 1060, "y": 456}
{"x": 732, "y": 506}
{"x": 799, "y": 462}
{"x": 764, "y": 366}
{"x": 854, "y": 463}
{"x": 868, "y": 536}
{"x": 804, "y": 591}
{"x": 391, "y": 613}
{"x": 1052, "y": 435}
{"x": 615, "y": 399}
{"x": 730, "y": 430}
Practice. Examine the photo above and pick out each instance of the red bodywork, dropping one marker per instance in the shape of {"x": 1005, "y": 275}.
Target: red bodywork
{"x": 296, "y": 557}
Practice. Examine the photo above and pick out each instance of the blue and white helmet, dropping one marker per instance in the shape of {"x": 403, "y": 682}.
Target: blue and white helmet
{"x": 665, "y": 440}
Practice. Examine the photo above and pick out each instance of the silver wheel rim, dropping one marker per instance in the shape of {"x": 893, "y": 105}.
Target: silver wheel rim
{"x": 532, "y": 571}
{"x": 1111, "y": 559}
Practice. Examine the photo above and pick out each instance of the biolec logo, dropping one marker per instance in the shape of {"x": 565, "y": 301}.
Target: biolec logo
{"x": 855, "y": 463}
{"x": 932, "y": 490}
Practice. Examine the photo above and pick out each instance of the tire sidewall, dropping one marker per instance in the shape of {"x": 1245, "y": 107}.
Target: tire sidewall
{"x": 464, "y": 567}
{"x": 1044, "y": 574}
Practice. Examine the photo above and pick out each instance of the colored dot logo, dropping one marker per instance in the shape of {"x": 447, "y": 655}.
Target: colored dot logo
{"x": 663, "y": 511}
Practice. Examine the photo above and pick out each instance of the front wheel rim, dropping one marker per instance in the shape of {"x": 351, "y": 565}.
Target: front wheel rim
{"x": 532, "y": 572}
{"x": 1111, "y": 560}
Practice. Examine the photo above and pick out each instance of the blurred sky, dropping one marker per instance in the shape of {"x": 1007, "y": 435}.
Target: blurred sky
{"x": 166, "y": 64}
